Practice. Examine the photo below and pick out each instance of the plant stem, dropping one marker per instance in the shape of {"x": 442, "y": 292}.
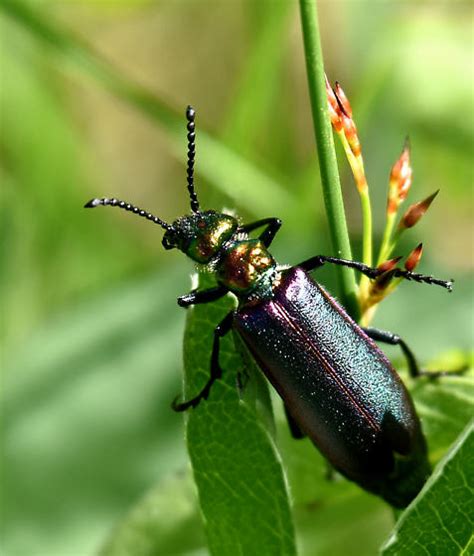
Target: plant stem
{"x": 385, "y": 247}
{"x": 366, "y": 240}
{"x": 327, "y": 156}
{"x": 357, "y": 166}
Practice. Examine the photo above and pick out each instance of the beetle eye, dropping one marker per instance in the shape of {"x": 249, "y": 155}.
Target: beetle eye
{"x": 167, "y": 242}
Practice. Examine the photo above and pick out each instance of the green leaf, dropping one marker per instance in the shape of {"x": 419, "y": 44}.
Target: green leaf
{"x": 445, "y": 407}
{"x": 257, "y": 87}
{"x": 87, "y": 423}
{"x": 247, "y": 183}
{"x": 441, "y": 520}
{"x": 238, "y": 472}
{"x": 165, "y": 519}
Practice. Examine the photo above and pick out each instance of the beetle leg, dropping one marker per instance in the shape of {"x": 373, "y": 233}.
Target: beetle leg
{"x": 204, "y": 296}
{"x": 295, "y": 430}
{"x": 320, "y": 260}
{"x": 413, "y": 367}
{"x": 216, "y": 372}
{"x": 395, "y": 340}
{"x": 267, "y": 236}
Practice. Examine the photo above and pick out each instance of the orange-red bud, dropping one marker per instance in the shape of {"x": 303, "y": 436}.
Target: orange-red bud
{"x": 400, "y": 180}
{"x": 402, "y": 173}
{"x": 414, "y": 258}
{"x": 335, "y": 118}
{"x": 343, "y": 100}
{"x": 389, "y": 265}
{"x": 350, "y": 131}
{"x": 333, "y": 107}
{"x": 379, "y": 285}
{"x": 416, "y": 211}
{"x": 340, "y": 112}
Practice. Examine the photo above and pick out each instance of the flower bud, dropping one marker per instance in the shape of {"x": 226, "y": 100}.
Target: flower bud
{"x": 416, "y": 211}
{"x": 350, "y": 131}
{"x": 400, "y": 180}
{"x": 343, "y": 100}
{"x": 414, "y": 258}
{"x": 380, "y": 284}
{"x": 333, "y": 107}
{"x": 389, "y": 265}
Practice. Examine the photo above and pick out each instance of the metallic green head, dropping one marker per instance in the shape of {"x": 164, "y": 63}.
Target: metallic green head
{"x": 200, "y": 235}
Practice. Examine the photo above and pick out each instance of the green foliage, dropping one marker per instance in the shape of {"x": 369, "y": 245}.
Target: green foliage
{"x": 165, "y": 519}
{"x": 237, "y": 469}
{"x": 441, "y": 522}
{"x": 87, "y": 423}
{"x": 91, "y": 332}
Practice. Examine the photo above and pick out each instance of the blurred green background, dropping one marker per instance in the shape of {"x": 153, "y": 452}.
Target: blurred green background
{"x": 91, "y": 334}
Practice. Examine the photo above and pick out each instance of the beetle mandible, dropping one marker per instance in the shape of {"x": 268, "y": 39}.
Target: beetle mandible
{"x": 337, "y": 386}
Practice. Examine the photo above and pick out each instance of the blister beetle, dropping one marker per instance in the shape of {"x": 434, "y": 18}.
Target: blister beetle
{"x": 337, "y": 386}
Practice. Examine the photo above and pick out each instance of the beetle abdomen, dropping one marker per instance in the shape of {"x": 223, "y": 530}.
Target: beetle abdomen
{"x": 340, "y": 388}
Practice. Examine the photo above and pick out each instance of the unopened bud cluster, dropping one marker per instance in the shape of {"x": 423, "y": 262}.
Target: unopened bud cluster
{"x": 340, "y": 112}
{"x": 400, "y": 181}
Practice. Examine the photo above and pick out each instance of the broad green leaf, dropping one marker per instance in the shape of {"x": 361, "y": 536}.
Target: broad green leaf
{"x": 87, "y": 423}
{"x": 165, "y": 521}
{"x": 441, "y": 520}
{"x": 254, "y": 98}
{"x": 445, "y": 407}
{"x": 237, "y": 469}
{"x": 247, "y": 183}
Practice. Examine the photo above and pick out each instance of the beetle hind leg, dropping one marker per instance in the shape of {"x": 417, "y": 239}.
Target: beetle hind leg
{"x": 413, "y": 366}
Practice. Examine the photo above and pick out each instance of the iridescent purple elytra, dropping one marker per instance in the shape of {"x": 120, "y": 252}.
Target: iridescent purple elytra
{"x": 338, "y": 386}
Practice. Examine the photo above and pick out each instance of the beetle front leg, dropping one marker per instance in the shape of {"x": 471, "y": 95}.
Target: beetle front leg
{"x": 267, "y": 236}
{"x": 216, "y": 372}
{"x": 204, "y": 296}
{"x": 413, "y": 367}
{"x": 315, "y": 262}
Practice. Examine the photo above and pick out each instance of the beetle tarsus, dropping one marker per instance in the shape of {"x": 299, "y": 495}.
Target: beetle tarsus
{"x": 319, "y": 260}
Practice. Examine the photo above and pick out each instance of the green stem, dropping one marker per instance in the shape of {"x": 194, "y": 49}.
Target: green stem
{"x": 386, "y": 246}
{"x": 357, "y": 167}
{"x": 326, "y": 152}
{"x": 366, "y": 238}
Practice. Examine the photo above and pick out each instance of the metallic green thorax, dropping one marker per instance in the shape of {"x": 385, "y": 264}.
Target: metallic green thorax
{"x": 241, "y": 264}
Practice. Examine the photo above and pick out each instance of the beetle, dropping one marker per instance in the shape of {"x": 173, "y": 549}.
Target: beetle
{"x": 337, "y": 386}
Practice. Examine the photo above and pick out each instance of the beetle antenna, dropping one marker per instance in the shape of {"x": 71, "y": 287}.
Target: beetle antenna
{"x": 131, "y": 208}
{"x": 190, "y": 115}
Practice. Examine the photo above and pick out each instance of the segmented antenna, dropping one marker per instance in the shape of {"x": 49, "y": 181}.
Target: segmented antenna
{"x": 190, "y": 114}
{"x": 131, "y": 208}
